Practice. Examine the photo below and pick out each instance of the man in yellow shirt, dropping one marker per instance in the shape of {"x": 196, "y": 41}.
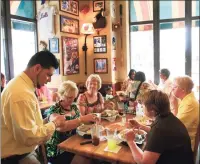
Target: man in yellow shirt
{"x": 22, "y": 126}
{"x": 188, "y": 110}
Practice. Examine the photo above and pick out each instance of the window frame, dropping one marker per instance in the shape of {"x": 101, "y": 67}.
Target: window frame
{"x": 156, "y": 35}
{"x": 9, "y": 53}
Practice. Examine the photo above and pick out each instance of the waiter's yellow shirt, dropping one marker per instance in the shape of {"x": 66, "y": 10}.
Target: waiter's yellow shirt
{"x": 188, "y": 113}
{"x": 22, "y": 127}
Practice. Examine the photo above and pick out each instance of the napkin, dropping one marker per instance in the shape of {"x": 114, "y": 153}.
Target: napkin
{"x": 113, "y": 151}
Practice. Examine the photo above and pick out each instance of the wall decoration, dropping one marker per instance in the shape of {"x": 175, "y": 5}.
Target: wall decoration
{"x": 69, "y": 25}
{"x": 57, "y": 71}
{"x": 69, "y": 6}
{"x": 113, "y": 43}
{"x": 98, "y": 5}
{"x": 114, "y": 68}
{"x": 54, "y": 45}
{"x": 100, "y": 65}
{"x": 70, "y": 56}
{"x": 100, "y": 44}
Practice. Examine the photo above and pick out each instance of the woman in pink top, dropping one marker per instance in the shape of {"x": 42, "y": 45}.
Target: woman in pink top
{"x": 44, "y": 94}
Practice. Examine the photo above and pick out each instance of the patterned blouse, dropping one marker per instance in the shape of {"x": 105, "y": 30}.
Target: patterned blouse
{"x": 94, "y": 107}
{"x": 58, "y": 137}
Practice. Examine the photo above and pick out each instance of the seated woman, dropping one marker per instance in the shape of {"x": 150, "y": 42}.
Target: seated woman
{"x": 44, "y": 94}
{"x": 168, "y": 141}
{"x": 92, "y": 101}
{"x": 130, "y": 78}
{"x": 67, "y": 92}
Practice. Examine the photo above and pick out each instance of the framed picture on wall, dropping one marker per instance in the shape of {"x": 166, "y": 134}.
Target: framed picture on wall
{"x": 100, "y": 44}
{"x": 69, "y": 6}
{"x": 54, "y": 45}
{"x": 69, "y": 25}
{"x": 98, "y": 5}
{"x": 70, "y": 55}
{"x": 100, "y": 65}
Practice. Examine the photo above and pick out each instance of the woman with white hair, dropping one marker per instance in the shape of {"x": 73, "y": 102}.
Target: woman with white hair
{"x": 67, "y": 93}
{"x": 91, "y": 101}
{"x": 188, "y": 109}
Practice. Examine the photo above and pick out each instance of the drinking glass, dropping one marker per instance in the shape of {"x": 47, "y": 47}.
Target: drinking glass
{"x": 111, "y": 138}
{"x": 95, "y": 133}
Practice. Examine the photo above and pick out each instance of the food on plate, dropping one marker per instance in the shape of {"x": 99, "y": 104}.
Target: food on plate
{"x": 109, "y": 113}
{"x": 117, "y": 126}
{"x": 84, "y": 128}
{"x": 139, "y": 135}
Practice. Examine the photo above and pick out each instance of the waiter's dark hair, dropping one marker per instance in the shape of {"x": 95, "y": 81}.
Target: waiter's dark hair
{"x": 45, "y": 58}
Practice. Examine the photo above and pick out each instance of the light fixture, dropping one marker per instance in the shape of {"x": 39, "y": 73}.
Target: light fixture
{"x": 87, "y": 29}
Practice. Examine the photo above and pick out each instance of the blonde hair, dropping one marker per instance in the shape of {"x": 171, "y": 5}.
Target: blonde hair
{"x": 94, "y": 77}
{"x": 68, "y": 88}
{"x": 185, "y": 83}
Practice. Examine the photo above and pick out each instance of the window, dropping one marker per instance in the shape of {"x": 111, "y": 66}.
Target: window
{"x": 18, "y": 39}
{"x": 174, "y": 39}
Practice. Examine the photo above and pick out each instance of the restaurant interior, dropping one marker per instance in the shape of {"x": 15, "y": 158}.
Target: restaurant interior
{"x": 113, "y": 53}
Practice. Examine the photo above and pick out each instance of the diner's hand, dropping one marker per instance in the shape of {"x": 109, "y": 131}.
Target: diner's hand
{"x": 134, "y": 124}
{"x": 130, "y": 135}
{"x": 88, "y": 118}
{"x": 58, "y": 120}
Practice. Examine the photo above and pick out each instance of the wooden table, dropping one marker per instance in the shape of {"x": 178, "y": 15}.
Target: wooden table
{"x": 72, "y": 144}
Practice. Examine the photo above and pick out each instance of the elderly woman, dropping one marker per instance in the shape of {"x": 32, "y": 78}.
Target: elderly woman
{"x": 67, "y": 93}
{"x": 188, "y": 110}
{"x": 91, "y": 101}
{"x": 130, "y": 78}
{"x": 168, "y": 141}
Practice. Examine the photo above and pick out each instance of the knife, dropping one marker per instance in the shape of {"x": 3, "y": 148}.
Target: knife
{"x": 86, "y": 142}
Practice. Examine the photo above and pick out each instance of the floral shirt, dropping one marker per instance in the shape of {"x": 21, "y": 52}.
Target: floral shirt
{"x": 58, "y": 137}
{"x": 94, "y": 107}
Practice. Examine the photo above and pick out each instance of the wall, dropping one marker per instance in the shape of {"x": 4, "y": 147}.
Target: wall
{"x": 120, "y": 53}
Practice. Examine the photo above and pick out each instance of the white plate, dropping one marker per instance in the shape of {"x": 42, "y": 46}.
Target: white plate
{"x": 137, "y": 140}
{"x": 81, "y": 133}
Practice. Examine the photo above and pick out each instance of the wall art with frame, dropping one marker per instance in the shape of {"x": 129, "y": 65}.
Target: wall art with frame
{"x": 98, "y": 5}
{"x": 100, "y": 44}
{"x": 69, "y": 6}
{"x": 69, "y": 25}
{"x": 100, "y": 65}
{"x": 54, "y": 45}
{"x": 70, "y": 55}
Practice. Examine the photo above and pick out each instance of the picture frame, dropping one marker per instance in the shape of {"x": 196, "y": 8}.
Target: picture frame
{"x": 54, "y": 45}
{"x": 70, "y": 55}
{"x": 98, "y": 5}
{"x": 100, "y": 44}
{"x": 69, "y": 6}
{"x": 69, "y": 25}
{"x": 101, "y": 65}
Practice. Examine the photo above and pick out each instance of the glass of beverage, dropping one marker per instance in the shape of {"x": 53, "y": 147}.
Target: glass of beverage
{"x": 95, "y": 133}
{"x": 111, "y": 138}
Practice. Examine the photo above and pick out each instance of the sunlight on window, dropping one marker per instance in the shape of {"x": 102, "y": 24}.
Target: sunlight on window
{"x": 142, "y": 50}
{"x": 172, "y": 48}
{"x": 23, "y": 39}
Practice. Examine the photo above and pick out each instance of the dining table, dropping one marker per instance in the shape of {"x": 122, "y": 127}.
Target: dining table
{"x": 124, "y": 155}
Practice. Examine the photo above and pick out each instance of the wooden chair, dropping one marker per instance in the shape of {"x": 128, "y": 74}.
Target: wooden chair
{"x": 197, "y": 146}
{"x": 42, "y": 151}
